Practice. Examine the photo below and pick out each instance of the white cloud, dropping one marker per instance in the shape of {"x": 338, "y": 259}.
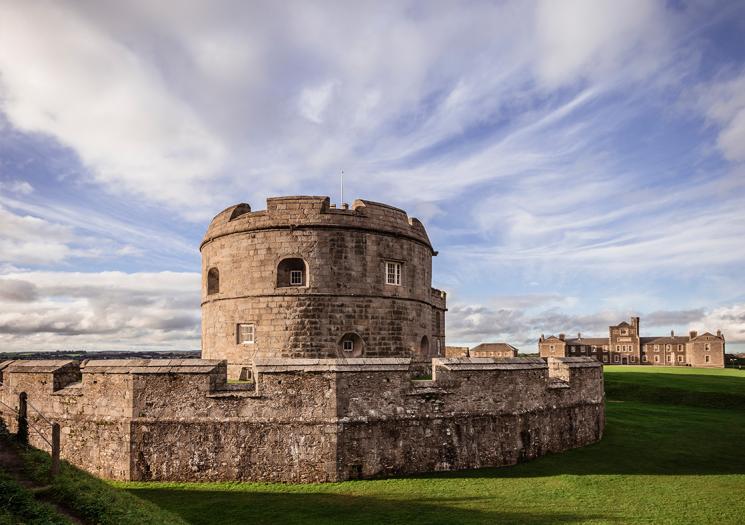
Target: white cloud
{"x": 25, "y": 239}
{"x": 109, "y": 105}
{"x": 592, "y": 38}
{"x": 729, "y": 319}
{"x": 16, "y": 186}
{"x": 97, "y": 311}
{"x": 314, "y": 101}
{"x": 723, "y": 102}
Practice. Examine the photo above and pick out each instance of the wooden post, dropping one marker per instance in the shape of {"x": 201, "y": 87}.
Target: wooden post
{"x": 55, "y": 449}
{"x": 22, "y": 434}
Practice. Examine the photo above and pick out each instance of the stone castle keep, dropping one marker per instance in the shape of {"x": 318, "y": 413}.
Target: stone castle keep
{"x": 304, "y": 279}
{"x": 329, "y": 318}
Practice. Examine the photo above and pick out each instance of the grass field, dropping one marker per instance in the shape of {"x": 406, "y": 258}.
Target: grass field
{"x": 672, "y": 453}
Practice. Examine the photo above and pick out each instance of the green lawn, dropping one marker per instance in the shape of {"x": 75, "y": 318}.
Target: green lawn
{"x": 672, "y": 453}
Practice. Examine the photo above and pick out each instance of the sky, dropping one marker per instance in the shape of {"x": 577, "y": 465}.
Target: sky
{"x": 575, "y": 162}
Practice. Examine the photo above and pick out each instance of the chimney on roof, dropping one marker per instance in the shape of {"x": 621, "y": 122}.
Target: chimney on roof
{"x": 719, "y": 333}
{"x": 561, "y": 336}
{"x": 579, "y": 335}
{"x": 672, "y": 333}
{"x": 692, "y": 334}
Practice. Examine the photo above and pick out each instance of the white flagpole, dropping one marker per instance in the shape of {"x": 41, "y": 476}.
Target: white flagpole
{"x": 341, "y": 204}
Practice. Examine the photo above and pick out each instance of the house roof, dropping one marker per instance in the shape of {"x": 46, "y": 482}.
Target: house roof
{"x": 494, "y": 347}
{"x": 677, "y": 339}
{"x": 588, "y": 341}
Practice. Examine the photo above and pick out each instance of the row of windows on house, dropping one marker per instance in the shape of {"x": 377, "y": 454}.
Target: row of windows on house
{"x": 293, "y": 272}
{"x": 644, "y": 359}
{"x": 351, "y": 342}
{"x": 628, "y": 348}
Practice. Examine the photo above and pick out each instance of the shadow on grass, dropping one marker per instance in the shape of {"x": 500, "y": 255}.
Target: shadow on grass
{"x": 228, "y": 507}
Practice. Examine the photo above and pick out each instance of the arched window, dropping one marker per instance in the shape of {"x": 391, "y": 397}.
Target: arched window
{"x": 424, "y": 346}
{"x": 351, "y": 345}
{"x": 291, "y": 272}
{"x": 213, "y": 281}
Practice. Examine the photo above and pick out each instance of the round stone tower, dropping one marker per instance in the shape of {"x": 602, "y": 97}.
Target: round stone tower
{"x": 304, "y": 279}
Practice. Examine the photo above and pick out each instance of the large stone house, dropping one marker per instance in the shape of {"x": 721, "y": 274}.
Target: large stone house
{"x": 625, "y": 346}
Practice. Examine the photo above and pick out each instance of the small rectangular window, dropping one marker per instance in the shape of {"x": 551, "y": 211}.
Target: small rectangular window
{"x": 605, "y": 359}
{"x": 296, "y": 278}
{"x": 616, "y": 358}
{"x": 644, "y": 359}
{"x": 348, "y": 345}
{"x": 656, "y": 359}
{"x": 680, "y": 359}
{"x": 245, "y": 333}
{"x": 393, "y": 273}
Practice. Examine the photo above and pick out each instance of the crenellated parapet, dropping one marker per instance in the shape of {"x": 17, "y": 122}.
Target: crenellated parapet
{"x": 308, "y": 211}
{"x": 306, "y": 420}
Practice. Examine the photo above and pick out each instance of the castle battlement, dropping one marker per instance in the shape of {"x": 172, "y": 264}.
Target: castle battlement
{"x": 304, "y": 211}
{"x": 182, "y": 419}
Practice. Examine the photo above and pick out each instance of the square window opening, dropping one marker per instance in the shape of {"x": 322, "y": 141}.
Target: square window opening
{"x": 245, "y": 333}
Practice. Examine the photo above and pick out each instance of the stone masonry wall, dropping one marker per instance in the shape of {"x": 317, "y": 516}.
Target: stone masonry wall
{"x": 306, "y": 420}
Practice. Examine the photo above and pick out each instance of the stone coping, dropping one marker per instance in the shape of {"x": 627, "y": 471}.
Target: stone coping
{"x": 577, "y": 362}
{"x": 489, "y": 363}
{"x": 149, "y": 366}
{"x": 351, "y": 364}
{"x": 38, "y": 366}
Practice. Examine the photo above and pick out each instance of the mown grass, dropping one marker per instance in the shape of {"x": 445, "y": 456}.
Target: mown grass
{"x": 667, "y": 461}
{"x": 706, "y": 388}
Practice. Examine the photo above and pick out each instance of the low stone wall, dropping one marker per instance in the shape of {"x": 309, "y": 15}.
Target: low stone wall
{"x": 306, "y": 420}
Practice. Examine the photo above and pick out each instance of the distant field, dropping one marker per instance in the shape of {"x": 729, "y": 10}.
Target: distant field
{"x": 667, "y": 457}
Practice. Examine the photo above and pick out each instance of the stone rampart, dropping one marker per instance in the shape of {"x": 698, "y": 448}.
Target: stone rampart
{"x": 306, "y": 420}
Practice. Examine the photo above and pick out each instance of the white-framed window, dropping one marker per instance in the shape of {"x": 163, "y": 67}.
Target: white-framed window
{"x": 624, "y": 332}
{"x": 618, "y": 348}
{"x": 680, "y": 348}
{"x": 348, "y": 345}
{"x": 616, "y": 358}
{"x": 707, "y": 347}
{"x": 605, "y": 359}
{"x": 707, "y": 358}
{"x": 605, "y": 347}
{"x": 245, "y": 333}
{"x": 393, "y": 273}
{"x": 644, "y": 359}
{"x": 680, "y": 359}
{"x": 296, "y": 277}
{"x": 656, "y": 359}
{"x": 669, "y": 358}
{"x": 667, "y": 348}
{"x": 656, "y": 348}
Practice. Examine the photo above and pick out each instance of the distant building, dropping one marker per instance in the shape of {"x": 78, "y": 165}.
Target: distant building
{"x": 624, "y": 346}
{"x": 456, "y": 351}
{"x": 493, "y": 350}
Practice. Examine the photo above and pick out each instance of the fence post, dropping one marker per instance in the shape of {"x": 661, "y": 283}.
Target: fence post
{"x": 55, "y": 449}
{"x": 22, "y": 434}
